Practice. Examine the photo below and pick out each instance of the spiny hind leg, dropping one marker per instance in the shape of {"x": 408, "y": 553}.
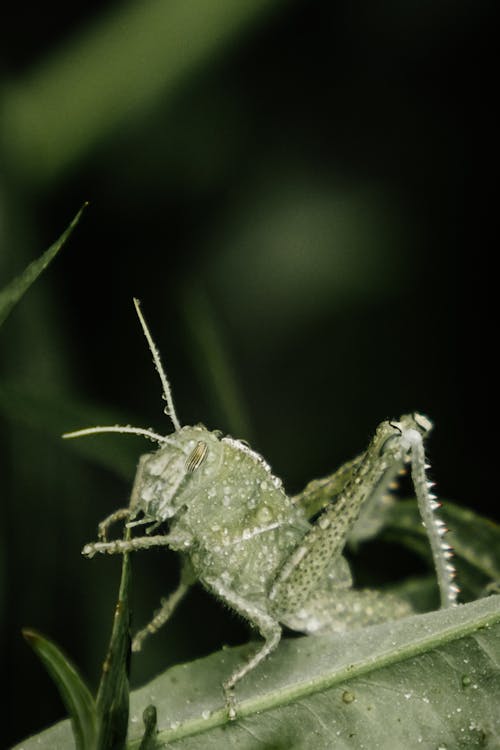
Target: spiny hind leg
{"x": 394, "y": 445}
{"x": 319, "y": 493}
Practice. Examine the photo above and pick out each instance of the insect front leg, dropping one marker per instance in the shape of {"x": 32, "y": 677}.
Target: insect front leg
{"x": 120, "y": 546}
{"x": 268, "y": 627}
{"x": 118, "y": 515}
{"x": 187, "y": 579}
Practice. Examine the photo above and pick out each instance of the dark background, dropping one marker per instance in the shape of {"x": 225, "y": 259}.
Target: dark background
{"x": 297, "y": 204}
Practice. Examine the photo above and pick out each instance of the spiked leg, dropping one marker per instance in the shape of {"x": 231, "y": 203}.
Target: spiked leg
{"x": 394, "y": 444}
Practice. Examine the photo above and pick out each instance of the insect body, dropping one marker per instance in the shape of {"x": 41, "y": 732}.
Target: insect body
{"x": 252, "y": 545}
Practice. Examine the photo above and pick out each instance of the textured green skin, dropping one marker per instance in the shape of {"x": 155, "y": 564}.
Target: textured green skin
{"x": 232, "y": 516}
{"x": 254, "y": 547}
{"x": 241, "y": 533}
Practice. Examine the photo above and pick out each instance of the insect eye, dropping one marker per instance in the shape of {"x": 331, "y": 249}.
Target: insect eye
{"x": 422, "y": 422}
{"x": 197, "y": 456}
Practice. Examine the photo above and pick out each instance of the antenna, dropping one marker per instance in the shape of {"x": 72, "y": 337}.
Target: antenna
{"x": 167, "y": 393}
{"x": 149, "y": 434}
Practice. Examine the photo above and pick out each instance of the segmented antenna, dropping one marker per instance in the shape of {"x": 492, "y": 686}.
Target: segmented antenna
{"x": 149, "y": 434}
{"x": 167, "y": 394}
{"x": 436, "y": 529}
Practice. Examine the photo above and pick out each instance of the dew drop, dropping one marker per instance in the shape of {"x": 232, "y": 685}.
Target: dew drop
{"x": 348, "y": 697}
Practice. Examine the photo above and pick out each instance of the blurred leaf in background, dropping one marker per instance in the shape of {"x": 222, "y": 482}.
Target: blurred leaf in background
{"x": 287, "y": 186}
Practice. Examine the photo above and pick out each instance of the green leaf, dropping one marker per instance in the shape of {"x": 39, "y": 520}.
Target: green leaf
{"x": 13, "y": 292}
{"x": 429, "y": 681}
{"x": 72, "y": 689}
{"x": 113, "y": 694}
{"x": 421, "y": 592}
{"x": 475, "y": 541}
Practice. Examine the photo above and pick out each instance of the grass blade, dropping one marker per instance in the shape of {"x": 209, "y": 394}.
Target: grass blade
{"x": 113, "y": 694}
{"x": 13, "y": 292}
{"x": 73, "y": 691}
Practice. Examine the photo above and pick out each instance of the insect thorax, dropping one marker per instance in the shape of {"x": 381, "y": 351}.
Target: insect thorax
{"x": 229, "y": 513}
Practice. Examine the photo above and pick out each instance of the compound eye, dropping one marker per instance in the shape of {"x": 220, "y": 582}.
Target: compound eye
{"x": 197, "y": 456}
{"x": 422, "y": 422}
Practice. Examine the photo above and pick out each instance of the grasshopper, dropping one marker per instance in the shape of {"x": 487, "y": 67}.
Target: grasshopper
{"x": 274, "y": 559}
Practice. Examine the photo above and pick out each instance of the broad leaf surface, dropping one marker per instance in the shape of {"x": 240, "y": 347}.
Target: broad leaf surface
{"x": 429, "y": 681}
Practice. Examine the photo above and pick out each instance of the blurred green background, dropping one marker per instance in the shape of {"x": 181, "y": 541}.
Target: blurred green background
{"x": 288, "y": 187}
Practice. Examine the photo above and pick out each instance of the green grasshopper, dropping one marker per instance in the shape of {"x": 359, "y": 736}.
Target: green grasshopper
{"x": 251, "y": 545}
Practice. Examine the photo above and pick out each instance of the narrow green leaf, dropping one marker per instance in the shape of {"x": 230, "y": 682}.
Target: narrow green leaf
{"x": 429, "y": 680}
{"x": 73, "y": 691}
{"x": 13, "y": 292}
{"x": 113, "y": 694}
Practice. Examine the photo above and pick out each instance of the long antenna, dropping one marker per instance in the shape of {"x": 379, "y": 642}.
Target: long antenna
{"x": 167, "y": 393}
{"x": 149, "y": 434}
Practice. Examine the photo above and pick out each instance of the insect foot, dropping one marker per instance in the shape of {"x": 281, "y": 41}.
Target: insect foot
{"x": 273, "y": 559}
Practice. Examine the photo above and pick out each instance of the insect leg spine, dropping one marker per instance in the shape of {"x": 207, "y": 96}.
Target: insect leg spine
{"x": 436, "y": 527}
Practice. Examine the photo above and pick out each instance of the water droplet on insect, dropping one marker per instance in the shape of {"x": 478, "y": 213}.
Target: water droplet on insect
{"x": 264, "y": 514}
{"x": 466, "y": 680}
{"x": 205, "y": 714}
